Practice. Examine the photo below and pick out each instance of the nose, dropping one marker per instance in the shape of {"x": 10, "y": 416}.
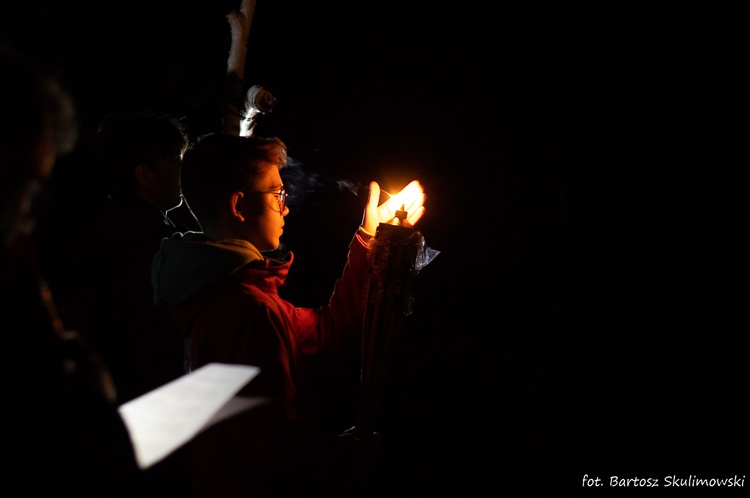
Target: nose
{"x": 285, "y": 211}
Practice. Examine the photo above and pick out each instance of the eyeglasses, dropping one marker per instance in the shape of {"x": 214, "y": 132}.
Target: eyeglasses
{"x": 281, "y": 195}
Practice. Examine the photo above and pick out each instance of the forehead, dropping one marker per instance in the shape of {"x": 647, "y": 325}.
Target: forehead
{"x": 268, "y": 177}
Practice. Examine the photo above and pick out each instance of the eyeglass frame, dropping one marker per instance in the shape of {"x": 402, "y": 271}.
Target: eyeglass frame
{"x": 282, "y": 197}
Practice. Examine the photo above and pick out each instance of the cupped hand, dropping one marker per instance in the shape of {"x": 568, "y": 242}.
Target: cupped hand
{"x": 410, "y": 199}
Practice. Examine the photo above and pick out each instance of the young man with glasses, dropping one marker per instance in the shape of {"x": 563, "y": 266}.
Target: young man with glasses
{"x": 223, "y": 293}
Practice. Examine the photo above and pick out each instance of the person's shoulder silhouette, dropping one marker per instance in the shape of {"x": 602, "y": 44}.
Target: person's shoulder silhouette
{"x": 61, "y": 433}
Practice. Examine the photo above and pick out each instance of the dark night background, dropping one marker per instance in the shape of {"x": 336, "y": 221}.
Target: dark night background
{"x": 587, "y": 171}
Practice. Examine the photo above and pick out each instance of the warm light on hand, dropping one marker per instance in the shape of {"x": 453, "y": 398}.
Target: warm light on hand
{"x": 410, "y": 199}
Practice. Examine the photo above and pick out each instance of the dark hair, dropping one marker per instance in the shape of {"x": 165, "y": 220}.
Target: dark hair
{"x": 219, "y": 164}
{"x": 124, "y": 140}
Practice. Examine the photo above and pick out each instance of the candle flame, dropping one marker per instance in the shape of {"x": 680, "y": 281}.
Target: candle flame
{"x": 401, "y": 201}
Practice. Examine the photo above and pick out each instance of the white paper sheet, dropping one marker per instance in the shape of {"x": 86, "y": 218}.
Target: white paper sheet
{"x": 164, "y": 419}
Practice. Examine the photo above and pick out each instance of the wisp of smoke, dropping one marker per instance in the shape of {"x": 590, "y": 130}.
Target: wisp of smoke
{"x": 299, "y": 183}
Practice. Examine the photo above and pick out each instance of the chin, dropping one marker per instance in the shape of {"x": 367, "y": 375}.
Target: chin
{"x": 268, "y": 247}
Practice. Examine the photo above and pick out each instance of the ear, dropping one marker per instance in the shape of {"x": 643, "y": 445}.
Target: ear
{"x": 236, "y": 201}
{"x": 144, "y": 175}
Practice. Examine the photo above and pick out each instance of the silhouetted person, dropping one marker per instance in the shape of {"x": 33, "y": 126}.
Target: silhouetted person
{"x": 138, "y": 157}
{"x": 131, "y": 184}
{"x": 61, "y": 433}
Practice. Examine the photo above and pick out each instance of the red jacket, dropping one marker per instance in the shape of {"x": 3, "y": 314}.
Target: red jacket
{"x": 224, "y": 297}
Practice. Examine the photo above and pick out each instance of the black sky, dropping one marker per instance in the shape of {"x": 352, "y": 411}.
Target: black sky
{"x": 587, "y": 177}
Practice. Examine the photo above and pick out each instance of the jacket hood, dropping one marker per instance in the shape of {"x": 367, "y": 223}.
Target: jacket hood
{"x": 187, "y": 263}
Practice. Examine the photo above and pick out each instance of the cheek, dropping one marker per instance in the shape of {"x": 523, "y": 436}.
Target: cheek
{"x": 271, "y": 220}
{"x": 271, "y": 223}
{"x": 266, "y": 231}
{"x": 174, "y": 177}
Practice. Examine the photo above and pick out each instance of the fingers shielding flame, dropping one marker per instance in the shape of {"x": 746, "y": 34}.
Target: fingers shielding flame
{"x": 411, "y": 199}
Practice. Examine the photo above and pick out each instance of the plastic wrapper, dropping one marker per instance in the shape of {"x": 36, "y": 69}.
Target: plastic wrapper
{"x": 397, "y": 254}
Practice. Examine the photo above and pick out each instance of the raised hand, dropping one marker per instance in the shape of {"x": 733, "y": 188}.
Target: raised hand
{"x": 410, "y": 199}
